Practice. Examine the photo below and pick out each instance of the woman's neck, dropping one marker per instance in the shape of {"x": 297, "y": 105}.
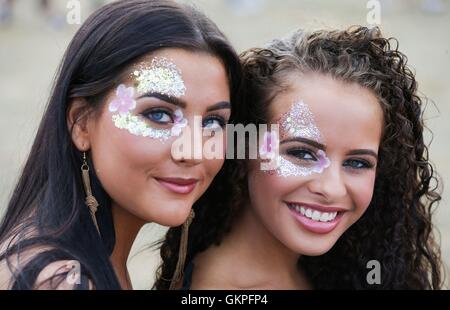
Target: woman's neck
{"x": 126, "y": 227}
{"x": 249, "y": 257}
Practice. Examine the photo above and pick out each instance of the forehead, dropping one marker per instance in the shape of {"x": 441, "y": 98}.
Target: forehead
{"x": 203, "y": 74}
{"x": 339, "y": 109}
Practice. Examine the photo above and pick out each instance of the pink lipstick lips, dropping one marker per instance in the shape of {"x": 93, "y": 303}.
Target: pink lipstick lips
{"x": 316, "y": 218}
{"x": 178, "y": 185}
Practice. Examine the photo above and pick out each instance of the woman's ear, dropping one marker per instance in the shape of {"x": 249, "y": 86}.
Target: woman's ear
{"x": 77, "y": 123}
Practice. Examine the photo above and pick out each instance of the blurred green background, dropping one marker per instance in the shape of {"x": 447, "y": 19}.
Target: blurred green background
{"x": 34, "y": 35}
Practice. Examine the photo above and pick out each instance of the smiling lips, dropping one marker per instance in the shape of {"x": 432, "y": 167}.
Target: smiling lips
{"x": 316, "y": 218}
{"x": 178, "y": 185}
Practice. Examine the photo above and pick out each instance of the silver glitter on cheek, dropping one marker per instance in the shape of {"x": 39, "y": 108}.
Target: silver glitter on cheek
{"x": 299, "y": 122}
{"x": 138, "y": 127}
{"x": 162, "y": 76}
{"x": 287, "y": 168}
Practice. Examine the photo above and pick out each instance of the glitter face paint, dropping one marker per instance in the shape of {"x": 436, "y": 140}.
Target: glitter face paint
{"x": 161, "y": 76}
{"x": 287, "y": 168}
{"x": 299, "y": 122}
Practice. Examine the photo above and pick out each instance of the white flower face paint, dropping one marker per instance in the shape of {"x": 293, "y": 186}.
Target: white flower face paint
{"x": 299, "y": 122}
{"x": 162, "y": 77}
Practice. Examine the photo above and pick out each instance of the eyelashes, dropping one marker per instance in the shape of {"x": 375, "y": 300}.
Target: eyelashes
{"x": 159, "y": 116}
{"x": 162, "y": 116}
{"x": 309, "y": 156}
{"x": 214, "y": 121}
{"x": 302, "y": 154}
{"x": 358, "y": 164}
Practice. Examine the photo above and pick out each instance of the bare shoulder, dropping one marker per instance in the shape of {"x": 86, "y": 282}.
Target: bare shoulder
{"x": 60, "y": 274}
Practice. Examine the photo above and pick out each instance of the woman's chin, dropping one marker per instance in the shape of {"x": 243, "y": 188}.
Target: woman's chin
{"x": 173, "y": 219}
{"x": 316, "y": 248}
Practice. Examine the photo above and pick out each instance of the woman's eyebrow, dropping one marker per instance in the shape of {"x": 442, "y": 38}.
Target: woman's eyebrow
{"x": 219, "y": 106}
{"x": 182, "y": 104}
{"x": 363, "y": 152}
{"x": 169, "y": 99}
{"x": 313, "y": 143}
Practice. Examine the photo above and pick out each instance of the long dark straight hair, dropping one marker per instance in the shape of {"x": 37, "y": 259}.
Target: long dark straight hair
{"x": 47, "y": 214}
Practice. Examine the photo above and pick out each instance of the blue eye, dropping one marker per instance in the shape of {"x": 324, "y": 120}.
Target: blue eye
{"x": 358, "y": 164}
{"x": 302, "y": 154}
{"x": 214, "y": 122}
{"x": 158, "y": 116}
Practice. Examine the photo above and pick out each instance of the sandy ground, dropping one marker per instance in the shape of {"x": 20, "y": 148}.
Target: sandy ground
{"x": 30, "y": 50}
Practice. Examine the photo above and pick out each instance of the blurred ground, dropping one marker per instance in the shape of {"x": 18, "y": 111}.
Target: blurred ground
{"x": 32, "y": 44}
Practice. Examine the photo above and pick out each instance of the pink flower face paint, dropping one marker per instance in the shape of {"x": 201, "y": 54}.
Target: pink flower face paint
{"x": 160, "y": 76}
{"x": 124, "y": 100}
{"x": 179, "y": 123}
{"x": 299, "y": 122}
{"x": 269, "y": 147}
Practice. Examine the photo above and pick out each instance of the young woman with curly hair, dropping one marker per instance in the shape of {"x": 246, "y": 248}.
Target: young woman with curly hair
{"x": 352, "y": 184}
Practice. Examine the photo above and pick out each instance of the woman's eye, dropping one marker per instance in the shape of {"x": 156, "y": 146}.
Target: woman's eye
{"x": 302, "y": 154}
{"x": 357, "y": 164}
{"x": 214, "y": 122}
{"x": 159, "y": 116}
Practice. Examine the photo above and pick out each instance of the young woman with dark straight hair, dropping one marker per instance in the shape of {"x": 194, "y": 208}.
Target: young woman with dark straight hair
{"x": 101, "y": 166}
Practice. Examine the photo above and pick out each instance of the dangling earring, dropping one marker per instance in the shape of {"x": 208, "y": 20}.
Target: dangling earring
{"x": 91, "y": 202}
{"x": 182, "y": 252}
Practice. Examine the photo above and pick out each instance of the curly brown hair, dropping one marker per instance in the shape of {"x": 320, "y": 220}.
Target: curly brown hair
{"x": 397, "y": 227}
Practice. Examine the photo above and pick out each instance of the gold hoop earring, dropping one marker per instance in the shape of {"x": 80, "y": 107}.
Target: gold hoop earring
{"x": 178, "y": 273}
{"x": 91, "y": 202}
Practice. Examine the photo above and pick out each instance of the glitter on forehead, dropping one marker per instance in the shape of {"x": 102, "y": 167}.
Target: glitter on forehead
{"x": 162, "y": 76}
{"x": 137, "y": 126}
{"x": 299, "y": 122}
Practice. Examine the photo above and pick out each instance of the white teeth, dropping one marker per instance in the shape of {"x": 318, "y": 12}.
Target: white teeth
{"x": 315, "y": 215}
{"x": 330, "y": 216}
{"x": 325, "y": 217}
{"x": 308, "y": 213}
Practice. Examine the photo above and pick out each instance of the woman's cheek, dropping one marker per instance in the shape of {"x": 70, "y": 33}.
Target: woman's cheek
{"x": 213, "y": 154}
{"x": 362, "y": 191}
{"x": 266, "y": 187}
{"x": 134, "y": 150}
{"x": 121, "y": 158}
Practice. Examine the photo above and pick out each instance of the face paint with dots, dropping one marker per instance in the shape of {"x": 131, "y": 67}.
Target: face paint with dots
{"x": 299, "y": 122}
{"x": 161, "y": 77}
